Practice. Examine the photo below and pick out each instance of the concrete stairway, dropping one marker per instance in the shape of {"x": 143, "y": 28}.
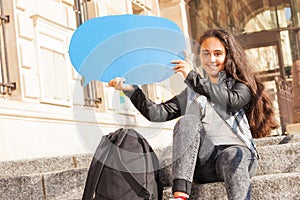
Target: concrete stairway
{"x": 60, "y": 178}
{"x": 63, "y": 177}
{"x": 277, "y": 177}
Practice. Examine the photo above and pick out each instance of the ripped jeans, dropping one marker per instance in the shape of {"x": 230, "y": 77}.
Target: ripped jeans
{"x": 196, "y": 159}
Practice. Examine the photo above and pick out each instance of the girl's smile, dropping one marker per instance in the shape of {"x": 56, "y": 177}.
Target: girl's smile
{"x": 212, "y": 57}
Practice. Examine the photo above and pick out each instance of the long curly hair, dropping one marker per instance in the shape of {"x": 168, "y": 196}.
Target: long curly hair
{"x": 260, "y": 112}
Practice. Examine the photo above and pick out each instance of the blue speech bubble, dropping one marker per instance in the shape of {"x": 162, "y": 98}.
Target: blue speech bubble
{"x": 135, "y": 47}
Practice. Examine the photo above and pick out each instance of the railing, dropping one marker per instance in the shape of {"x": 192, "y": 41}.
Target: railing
{"x": 6, "y": 86}
{"x": 285, "y": 102}
{"x": 90, "y": 91}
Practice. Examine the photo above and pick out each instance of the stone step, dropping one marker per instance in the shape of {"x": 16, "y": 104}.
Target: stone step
{"x": 267, "y": 141}
{"x": 293, "y": 128}
{"x": 64, "y": 177}
{"x": 69, "y": 185}
{"x": 284, "y": 186}
{"x": 60, "y": 163}
{"x": 22, "y": 187}
{"x": 279, "y": 159}
{"x": 282, "y": 158}
{"x": 61, "y": 185}
{"x": 65, "y": 185}
{"x": 44, "y": 165}
{"x": 274, "y": 140}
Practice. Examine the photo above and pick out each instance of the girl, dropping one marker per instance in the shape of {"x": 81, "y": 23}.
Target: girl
{"x": 220, "y": 115}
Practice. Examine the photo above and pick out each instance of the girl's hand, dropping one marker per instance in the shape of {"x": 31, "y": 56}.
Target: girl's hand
{"x": 182, "y": 66}
{"x": 118, "y": 84}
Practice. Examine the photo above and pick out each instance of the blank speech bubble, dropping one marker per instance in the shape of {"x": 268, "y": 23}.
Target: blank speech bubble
{"x": 135, "y": 47}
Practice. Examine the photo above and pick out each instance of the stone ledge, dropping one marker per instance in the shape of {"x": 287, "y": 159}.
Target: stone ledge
{"x": 293, "y": 128}
{"x": 279, "y": 186}
{"x": 23, "y": 187}
{"x": 267, "y": 141}
{"x": 61, "y": 185}
{"x": 60, "y": 163}
{"x": 274, "y": 140}
{"x": 44, "y": 165}
{"x": 65, "y": 185}
{"x": 69, "y": 172}
{"x": 281, "y": 158}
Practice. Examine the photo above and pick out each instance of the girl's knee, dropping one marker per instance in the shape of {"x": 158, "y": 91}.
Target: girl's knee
{"x": 235, "y": 153}
{"x": 188, "y": 123}
{"x": 233, "y": 159}
{"x": 188, "y": 119}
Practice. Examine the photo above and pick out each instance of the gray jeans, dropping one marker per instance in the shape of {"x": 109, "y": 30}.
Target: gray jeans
{"x": 196, "y": 159}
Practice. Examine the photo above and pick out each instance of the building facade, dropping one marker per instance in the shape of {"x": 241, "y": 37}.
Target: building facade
{"x": 44, "y": 108}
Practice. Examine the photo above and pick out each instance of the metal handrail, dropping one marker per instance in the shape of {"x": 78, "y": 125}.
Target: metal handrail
{"x": 81, "y": 11}
{"x": 6, "y": 87}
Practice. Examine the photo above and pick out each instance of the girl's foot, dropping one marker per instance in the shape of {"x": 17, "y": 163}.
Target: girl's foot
{"x": 180, "y": 196}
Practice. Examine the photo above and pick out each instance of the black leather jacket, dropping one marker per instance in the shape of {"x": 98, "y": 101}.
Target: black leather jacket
{"x": 229, "y": 95}
{"x": 229, "y": 98}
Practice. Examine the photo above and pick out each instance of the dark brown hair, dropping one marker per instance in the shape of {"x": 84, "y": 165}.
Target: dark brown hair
{"x": 260, "y": 112}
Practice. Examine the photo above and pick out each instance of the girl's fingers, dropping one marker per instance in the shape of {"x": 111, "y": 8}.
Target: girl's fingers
{"x": 119, "y": 84}
{"x": 177, "y": 61}
{"x": 176, "y": 67}
{"x": 179, "y": 66}
{"x": 111, "y": 83}
{"x": 115, "y": 81}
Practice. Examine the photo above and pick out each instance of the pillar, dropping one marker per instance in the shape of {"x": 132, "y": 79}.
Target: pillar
{"x": 296, "y": 91}
{"x": 295, "y": 5}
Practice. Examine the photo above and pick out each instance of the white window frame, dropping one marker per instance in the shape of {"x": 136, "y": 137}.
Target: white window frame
{"x": 53, "y": 37}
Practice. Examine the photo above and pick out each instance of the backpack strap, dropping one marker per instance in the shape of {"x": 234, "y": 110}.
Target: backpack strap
{"x": 134, "y": 184}
{"x": 98, "y": 162}
{"x": 96, "y": 168}
{"x": 131, "y": 180}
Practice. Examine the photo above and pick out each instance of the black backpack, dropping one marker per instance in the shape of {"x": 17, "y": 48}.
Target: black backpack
{"x": 124, "y": 167}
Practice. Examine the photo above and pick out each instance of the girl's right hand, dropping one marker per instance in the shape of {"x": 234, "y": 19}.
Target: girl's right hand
{"x": 118, "y": 84}
{"x": 183, "y": 66}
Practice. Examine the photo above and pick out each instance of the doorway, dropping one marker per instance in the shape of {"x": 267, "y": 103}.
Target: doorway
{"x": 265, "y": 47}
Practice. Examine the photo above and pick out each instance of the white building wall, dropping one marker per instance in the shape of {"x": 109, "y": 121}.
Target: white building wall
{"x": 48, "y": 118}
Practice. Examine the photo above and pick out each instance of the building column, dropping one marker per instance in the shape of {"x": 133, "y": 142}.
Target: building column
{"x": 176, "y": 11}
{"x": 295, "y": 5}
{"x": 296, "y": 91}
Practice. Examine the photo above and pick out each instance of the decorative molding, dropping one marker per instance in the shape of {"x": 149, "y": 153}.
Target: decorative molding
{"x": 37, "y": 17}
{"x": 25, "y": 27}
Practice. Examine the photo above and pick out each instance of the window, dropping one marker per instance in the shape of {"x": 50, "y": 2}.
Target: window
{"x": 91, "y": 97}
{"x": 53, "y": 68}
{"x": 54, "y": 77}
{"x": 6, "y": 86}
